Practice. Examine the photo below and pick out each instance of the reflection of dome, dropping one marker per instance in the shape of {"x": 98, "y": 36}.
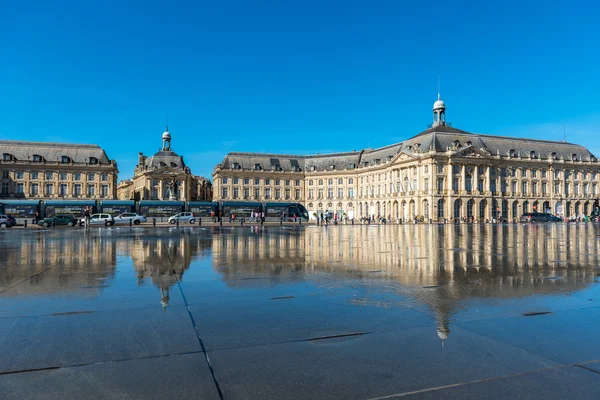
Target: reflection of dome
{"x": 443, "y": 332}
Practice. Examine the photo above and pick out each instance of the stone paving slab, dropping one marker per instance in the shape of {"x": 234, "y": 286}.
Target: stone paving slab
{"x": 367, "y": 366}
{"x": 568, "y": 337}
{"x": 73, "y": 339}
{"x": 558, "y": 383}
{"x": 170, "y": 377}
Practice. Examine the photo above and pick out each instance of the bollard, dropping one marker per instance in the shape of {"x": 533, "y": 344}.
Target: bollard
{"x": 130, "y": 223}
{"x": 199, "y": 221}
{"x": 299, "y": 221}
{"x": 430, "y": 220}
{"x": 153, "y": 221}
{"x": 25, "y": 224}
{"x": 352, "y": 221}
{"x": 221, "y": 221}
{"x": 178, "y": 222}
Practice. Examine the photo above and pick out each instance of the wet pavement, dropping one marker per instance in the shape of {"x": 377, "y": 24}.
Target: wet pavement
{"x": 338, "y": 312}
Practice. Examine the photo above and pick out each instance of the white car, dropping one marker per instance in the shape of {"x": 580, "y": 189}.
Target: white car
{"x": 124, "y": 218}
{"x": 99, "y": 219}
{"x": 182, "y": 217}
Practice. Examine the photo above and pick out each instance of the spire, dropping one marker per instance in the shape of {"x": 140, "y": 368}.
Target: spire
{"x": 439, "y": 110}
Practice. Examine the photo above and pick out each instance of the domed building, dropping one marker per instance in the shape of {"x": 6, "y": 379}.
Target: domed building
{"x": 164, "y": 176}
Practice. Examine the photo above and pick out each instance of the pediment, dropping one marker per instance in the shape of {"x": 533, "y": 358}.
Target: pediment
{"x": 166, "y": 171}
{"x": 472, "y": 152}
{"x": 404, "y": 156}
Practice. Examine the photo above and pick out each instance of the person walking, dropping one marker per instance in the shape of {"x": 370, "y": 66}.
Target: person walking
{"x": 86, "y": 214}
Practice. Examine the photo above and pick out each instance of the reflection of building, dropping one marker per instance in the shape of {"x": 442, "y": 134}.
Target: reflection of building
{"x": 164, "y": 176}
{"x": 163, "y": 260}
{"x": 424, "y": 263}
{"x": 74, "y": 264}
{"x": 35, "y": 170}
{"x": 441, "y": 173}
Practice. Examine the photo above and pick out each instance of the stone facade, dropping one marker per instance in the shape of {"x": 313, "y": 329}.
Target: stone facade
{"x": 441, "y": 174}
{"x": 164, "y": 176}
{"x": 38, "y": 170}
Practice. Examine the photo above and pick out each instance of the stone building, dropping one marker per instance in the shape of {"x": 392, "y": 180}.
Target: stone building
{"x": 164, "y": 176}
{"x": 39, "y": 170}
{"x": 442, "y": 173}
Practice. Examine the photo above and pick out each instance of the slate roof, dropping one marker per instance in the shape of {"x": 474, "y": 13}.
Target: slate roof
{"x": 440, "y": 139}
{"x": 165, "y": 159}
{"x": 51, "y": 152}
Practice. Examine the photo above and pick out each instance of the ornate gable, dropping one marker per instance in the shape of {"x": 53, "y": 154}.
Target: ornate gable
{"x": 472, "y": 152}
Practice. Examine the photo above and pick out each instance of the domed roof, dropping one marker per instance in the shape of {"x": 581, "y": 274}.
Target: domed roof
{"x": 438, "y": 104}
{"x": 166, "y": 135}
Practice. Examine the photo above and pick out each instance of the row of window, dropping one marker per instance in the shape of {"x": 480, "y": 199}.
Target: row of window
{"x": 340, "y": 181}
{"x": 320, "y": 193}
{"x": 76, "y": 190}
{"x": 62, "y": 176}
{"x": 235, "y": 193}
{"x": 256, "y": 181}
{"x": 39, "y": 158}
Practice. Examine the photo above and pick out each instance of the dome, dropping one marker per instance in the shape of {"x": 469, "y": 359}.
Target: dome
{"x": 166, "y": 135}
{"x": 438, "y": 104}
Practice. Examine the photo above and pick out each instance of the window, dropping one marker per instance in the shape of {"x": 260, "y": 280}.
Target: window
{"x": 91, "y": 176}
{"x": 288, "y": 194}
{"x": 576, "y": 190}
{"x": 35, "y": 189}
{"x": 277, "y": 193}
{"x": 7, "y": 157}
{"x": 330, "y": 193}
{"x": 330, "y": 182}
{"x": 513, "y": 187}
{"x": 440, "y": 184}
{"x": 426, "y": 169}
{"x": 4, "y": 188}
{"x": 310, "y": 182}
{"x": 236, "y": 191}
{"x": 469, "y": 183}
{"x": 62, "y": 176}
{"x": 340, "y": 181}
{"x": 267, "y": 181}
{"x": 19, "y": 174}
{"x": 566, "y": 189}
{"x": 91, "y": 190}
{"x": 503, "y": 186}
{"x": 93, "y": 160}
{"x": 277, "y": 182}
{"x": 297, "y": 194}
{"x": 34, "y": 175}
{"x": 287, "y": 182}
{"x": 37, "y": 158}
{"x": 225, "y": 191}
{"x": 534, "y": 173}
{"x": 480, "y": 185}
{"x": 77, "y": 176}
{"x": 224, "y": 181}
{"x": 455, "y": 169}
{"x": 311, "y": 194}
{"x": 544, "y": 189}
{"x": 104, "y": 177}
{"x": 20, "y": 188}
{"x": 267, "y": 193}
{"x": 440, "y": 208}
{"x": 556, "y": 188}
{"x": 544, "y": 174}
{"x": 426, "y": 185}
{"x": 65, "y": 159}
{"x": 534, "y": 188}
{"x": 62, "y": 189}
{"x": 320, "y": 182}
{"x": 340, "y": 193}
{"x": 556, "y": 174}
{"x": 256, "y": 193}
{"x": 297, "y": 182}
{"x": 246, "y": 193}
{"x": 350, "y": 181}
{"x": 49, "y": 176}
{"x": 320, "y": 194}
{"x": 246, "y": 181}
{"x": 455, "y": 184}
{"x": 257, "y": 181}
{"x": 77, "y": 189}
{"x": 235, "y": 181}
{"x": 440, "y": 168}
{"x": 350, "y": 193}
{"x": 49, "y": 189}
{"x": 5, "y": 175}
{"x": 104, "y": 192}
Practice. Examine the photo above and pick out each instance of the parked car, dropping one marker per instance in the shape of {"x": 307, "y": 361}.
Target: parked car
{"x": 67, "y": 220}
{"x": 182, "y": 217}
{"x": 6, "y": 221}
{"x": 99, "y": 219}
{"x": 124, "y": 218}
{"x": 539, "y": 217}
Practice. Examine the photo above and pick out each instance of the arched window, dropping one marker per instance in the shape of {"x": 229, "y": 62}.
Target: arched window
{"x": 426, "y": 209}
{"x": 7, "y": 157}
{"x": 340, "y": 181}
{"x": 320, "y": 182}
{"x": 173, "y": 165}
{"x": 65, "y": 159}
{"x": 457, "y": 204}
{"x": 440, "y": 208}
{"x": 38, "y": 158}
{"x": 350, "y": 181}
{"x": 310, "y": 182}
{"x": 93, "y": 160}
{"x": 470, "y": 209}
{"x": 330, "y": 182}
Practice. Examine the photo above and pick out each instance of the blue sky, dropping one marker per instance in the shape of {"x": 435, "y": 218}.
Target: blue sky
{"x": 291, "y": 76}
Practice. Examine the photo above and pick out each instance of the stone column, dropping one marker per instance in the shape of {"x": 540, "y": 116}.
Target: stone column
{"x": 463, "y": 178}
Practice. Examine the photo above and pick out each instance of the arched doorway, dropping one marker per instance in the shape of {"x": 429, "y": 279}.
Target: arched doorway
{"x": 470, "y": 205}
{"x": 535, "y": 206}
{"x": 404, "y": 212}
{"x": 457, "y": 205}
{"x": 547, "y": 208}
{"x": 411, "y": 209}
{"x": 586, "y": 208}
{"x": 515, "y": 209}
{"x": 440, "y": 208}
{"x": 568, "y": 210}
{"x": 525, "y": 207}
{"x": 426, "y": 209}
{"x": 482, "y": 207}
{"x": 504, "y": 214}
{"x": 360, "y": 210}
{"x": 384, "y": 209}
{"x": 559, "y": 209}
{"x": 577, "y": 211}
{"x": 378, "y": 208}
{"x": 396, "y": 209}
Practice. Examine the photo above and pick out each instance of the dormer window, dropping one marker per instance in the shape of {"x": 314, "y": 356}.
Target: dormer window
{"x": 313, "y": 168}
{"x": 236, "y": 165}
{"x": 456, "y": 143}
{"x": 7, "y": 157}
{"x": 257, "y": 167}
{"x": 574, "y": 157}
{"x": 65, "y": 159}
{"x": 162, "y": 164}
{"x": 93, "y": 160}
{"x": 532, "y": 154}
{"x": 38, "y": 158}
{"x": 173, "y": 165}
{"x": 512, "y": 153}
{"x": 377, "y": 160}
{"x": 331, "y": 167}
{"x": 553, "y": 155}
{"x": 469, "y": 143}
{"x": 352, "y": 166}
{"x": 408, "y": 148}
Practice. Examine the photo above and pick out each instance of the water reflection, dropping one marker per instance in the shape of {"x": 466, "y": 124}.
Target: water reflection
{"x": 441, "y": 270}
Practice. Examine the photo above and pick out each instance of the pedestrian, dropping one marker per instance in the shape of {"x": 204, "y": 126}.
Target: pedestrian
{"x": 86, "y": 214}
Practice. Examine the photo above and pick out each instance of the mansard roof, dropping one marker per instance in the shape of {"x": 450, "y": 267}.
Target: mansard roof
{"x": 439, "y": 139}
{"x": 51, "y": 152}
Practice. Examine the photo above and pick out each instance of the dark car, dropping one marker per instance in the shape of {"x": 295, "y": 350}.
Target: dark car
{"x": 6, "y": 221}
{"x": 539, "y": 217}
{"x": 67, "y": 220}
